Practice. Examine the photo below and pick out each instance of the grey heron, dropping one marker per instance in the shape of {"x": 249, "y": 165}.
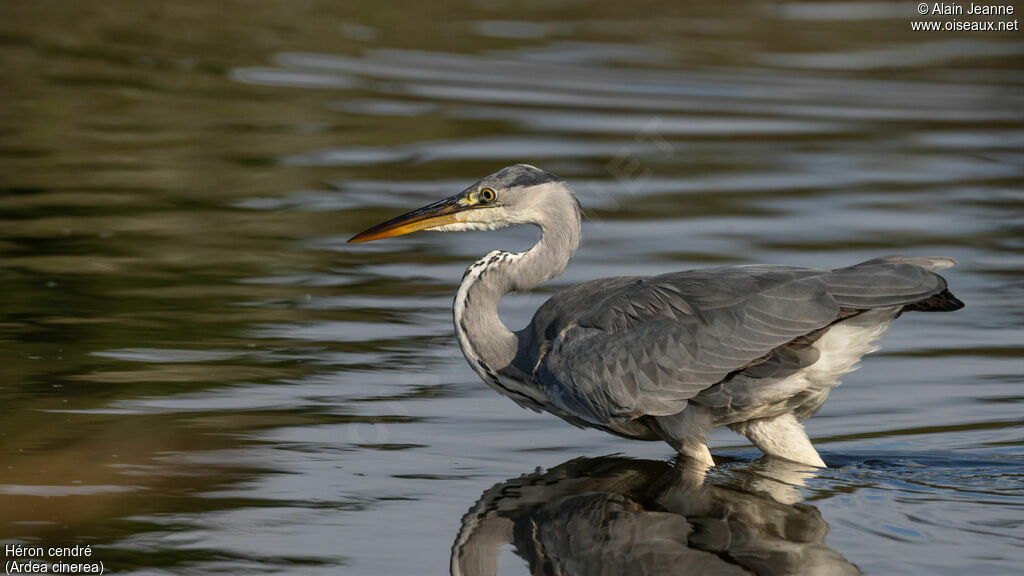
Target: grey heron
{"x": 756, "y": 348}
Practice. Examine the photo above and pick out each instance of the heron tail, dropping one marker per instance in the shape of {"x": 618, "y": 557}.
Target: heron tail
{"x": 942, "y": 302}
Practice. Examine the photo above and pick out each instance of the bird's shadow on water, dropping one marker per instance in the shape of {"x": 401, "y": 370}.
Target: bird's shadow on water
{"x": 616, "y": 515}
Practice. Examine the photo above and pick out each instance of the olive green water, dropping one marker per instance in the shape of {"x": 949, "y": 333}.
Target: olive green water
{"x": 198, "y": 375}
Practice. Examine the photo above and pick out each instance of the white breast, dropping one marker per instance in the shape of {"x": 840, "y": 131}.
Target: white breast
{"x": 522, "y": 393}
{"x": 459, "y": 311}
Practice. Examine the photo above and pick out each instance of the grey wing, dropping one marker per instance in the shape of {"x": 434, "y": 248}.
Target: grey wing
{"x": 887, "y": 281}
{"x": 616, "y": 349}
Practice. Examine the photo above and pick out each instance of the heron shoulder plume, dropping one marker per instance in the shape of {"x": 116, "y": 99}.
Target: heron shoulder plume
{"x": 670, "y": 357}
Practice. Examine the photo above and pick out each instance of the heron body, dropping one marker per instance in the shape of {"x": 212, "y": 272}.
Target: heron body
{"x": 670, "y": 357}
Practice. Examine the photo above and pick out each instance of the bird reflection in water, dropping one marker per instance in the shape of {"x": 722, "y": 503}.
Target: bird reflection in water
{"x": 614, "y": 516}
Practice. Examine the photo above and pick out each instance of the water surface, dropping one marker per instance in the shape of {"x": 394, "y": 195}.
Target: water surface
{"x": 200, "y": 376}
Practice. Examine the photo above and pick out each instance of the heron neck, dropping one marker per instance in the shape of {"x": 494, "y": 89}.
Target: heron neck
{"x": 485, "y": 340}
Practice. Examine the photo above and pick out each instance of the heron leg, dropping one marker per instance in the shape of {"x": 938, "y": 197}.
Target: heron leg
{"x": 781, "y": 436}
{"x": 698, "y": 452}
{"x": 687, "y": 432}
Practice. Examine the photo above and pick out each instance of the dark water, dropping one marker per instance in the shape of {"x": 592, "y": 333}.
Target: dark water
{"x": 200, "y": 376}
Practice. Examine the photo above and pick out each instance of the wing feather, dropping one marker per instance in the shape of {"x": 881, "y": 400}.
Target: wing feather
{"x": 620, "y": 348}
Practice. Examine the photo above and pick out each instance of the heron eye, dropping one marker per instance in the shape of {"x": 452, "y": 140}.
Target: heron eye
{"x": 487, "y": 195}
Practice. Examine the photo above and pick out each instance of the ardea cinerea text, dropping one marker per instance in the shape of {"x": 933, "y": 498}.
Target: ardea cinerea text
{"x": 754, "y": 348}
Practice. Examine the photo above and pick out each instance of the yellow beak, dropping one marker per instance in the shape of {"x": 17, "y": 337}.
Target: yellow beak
{"x": 432, "y": 216}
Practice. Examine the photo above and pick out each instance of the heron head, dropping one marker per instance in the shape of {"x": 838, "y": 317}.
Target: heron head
{"x": 519, "y": 194}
